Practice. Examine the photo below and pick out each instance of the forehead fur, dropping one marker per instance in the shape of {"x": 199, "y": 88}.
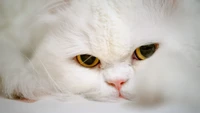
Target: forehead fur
{"x": 111, "y": 28}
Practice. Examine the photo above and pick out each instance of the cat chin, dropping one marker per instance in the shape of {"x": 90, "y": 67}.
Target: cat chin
{"x": 108, "y": 96}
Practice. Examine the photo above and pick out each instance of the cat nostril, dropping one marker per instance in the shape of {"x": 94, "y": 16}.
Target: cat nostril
{"x": 117, "y": 83}
{"x": 111, "y": 84}
{"x": 122, "y": 83}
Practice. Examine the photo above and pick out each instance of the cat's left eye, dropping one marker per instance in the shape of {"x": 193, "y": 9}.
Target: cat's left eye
{"x": 88, "y": 61}
{"x": 145, "y": 51}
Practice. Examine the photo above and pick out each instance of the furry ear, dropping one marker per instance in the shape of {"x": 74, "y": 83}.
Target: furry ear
{"x": 49, "y": 13}
{"x": 59, "y": 5}
{"x": 161, "y": 6}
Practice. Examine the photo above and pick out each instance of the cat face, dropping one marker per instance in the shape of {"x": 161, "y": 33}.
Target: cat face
{"x": 137, "y": 50}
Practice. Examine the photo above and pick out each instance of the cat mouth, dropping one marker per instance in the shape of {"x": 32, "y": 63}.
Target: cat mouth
{"x": 126, "y": 96}
{"x": 121, "y": 96}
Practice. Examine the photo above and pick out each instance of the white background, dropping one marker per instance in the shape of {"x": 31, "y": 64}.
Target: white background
{"x": 55, "y": 106}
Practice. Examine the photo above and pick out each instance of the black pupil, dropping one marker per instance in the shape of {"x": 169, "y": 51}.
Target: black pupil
{"x": 147, "y": 50}
{"x": 88, "y": 59}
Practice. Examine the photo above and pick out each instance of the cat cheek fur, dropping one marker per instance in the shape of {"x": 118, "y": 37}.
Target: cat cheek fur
{"x": 174, "y": 80}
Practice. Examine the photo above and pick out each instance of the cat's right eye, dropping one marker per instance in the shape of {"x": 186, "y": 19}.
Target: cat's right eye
{"x": 88, "y": 61}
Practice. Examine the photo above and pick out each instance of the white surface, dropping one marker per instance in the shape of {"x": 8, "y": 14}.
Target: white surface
{"x": 54, "y": 106}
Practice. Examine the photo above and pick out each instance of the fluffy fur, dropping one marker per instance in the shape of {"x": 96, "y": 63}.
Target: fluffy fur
{"x": 40, "y": 38}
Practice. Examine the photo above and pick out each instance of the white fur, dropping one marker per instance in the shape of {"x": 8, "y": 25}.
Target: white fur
{"x": 39, "y": 40}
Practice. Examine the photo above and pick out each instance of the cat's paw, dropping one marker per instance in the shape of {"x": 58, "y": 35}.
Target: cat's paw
{"x": 14, "y": 94}
{"x": 20, "y": 97}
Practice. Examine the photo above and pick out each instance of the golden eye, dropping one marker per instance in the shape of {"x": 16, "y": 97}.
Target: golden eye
{"x": 145, "y": 51}
{"x": 87, "y": 60}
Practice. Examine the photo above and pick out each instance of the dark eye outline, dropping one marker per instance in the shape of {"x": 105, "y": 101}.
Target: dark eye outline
{"x": 138, "y": 55}
{"x": 82, "y": 63}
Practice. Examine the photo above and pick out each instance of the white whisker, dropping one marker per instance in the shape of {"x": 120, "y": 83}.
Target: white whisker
{"x": 55, "y": 85}
{"x": 32, "y": 65}
{"x": 50, "y": 77}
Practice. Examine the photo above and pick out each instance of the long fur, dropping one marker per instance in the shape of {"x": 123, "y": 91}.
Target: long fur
{"x": 39, "y": 40}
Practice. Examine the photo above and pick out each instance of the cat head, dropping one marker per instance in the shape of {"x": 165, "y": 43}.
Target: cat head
{"x": 104, "y": 50}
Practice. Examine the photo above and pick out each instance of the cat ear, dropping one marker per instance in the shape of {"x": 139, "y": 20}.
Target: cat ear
{"x": 162, "y": 6}
{"x": 161, "y": 3}
{"x": 56, "y": 6}
{"x": 170, "y": 4}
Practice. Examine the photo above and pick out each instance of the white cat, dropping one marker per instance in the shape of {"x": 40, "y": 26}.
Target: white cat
{"x": 147, "y": 50}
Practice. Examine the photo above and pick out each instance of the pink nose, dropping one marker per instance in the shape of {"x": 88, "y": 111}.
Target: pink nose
{"x": 117, "y": 83}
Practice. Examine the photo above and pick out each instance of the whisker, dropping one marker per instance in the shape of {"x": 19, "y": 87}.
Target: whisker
{"x": 49, "y": 75}
{"x": 55, "y": 85}
{"x": 32, "y": 65}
